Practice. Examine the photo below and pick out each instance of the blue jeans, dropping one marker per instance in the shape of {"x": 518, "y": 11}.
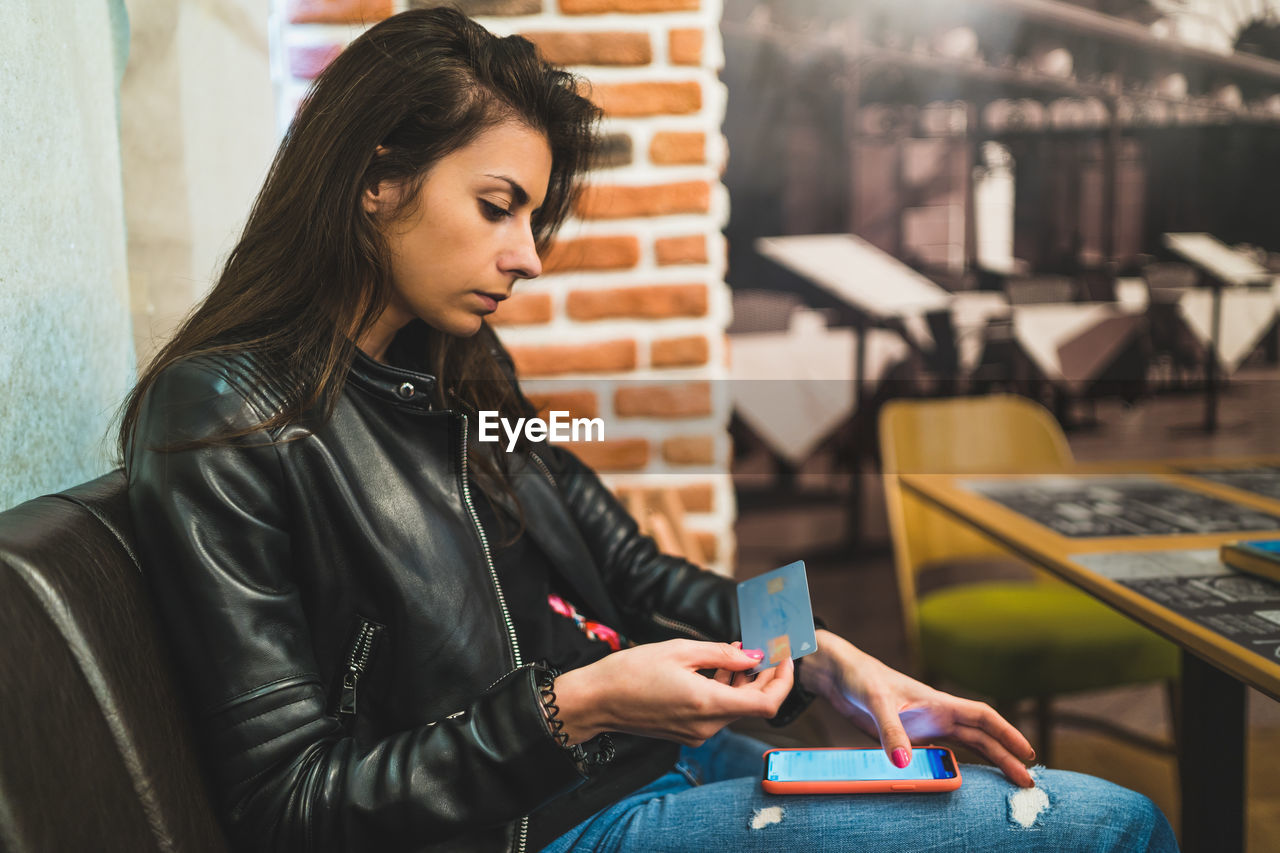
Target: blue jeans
{"x": 712, "y": 802}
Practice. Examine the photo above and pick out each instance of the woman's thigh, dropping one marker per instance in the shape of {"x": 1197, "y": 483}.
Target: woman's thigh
{"x": 1066, "y": 811}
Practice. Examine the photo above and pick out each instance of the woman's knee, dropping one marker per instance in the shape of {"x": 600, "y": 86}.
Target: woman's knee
{"x": 1144, "y": 826}
{"x": 1091, "y": 813}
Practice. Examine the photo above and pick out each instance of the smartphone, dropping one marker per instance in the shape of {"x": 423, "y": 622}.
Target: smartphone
{"x": 858, "y": 771}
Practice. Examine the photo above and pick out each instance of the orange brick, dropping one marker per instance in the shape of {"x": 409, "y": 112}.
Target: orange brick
{"x": 684, "y": 47}
{"x": 485, "y": 7}
{"x": 307, "y": 61}
{"x": 646, "y": 99}
{"x": 699, "y": 497}
{"x": 579, "y": 404}
{"x": 550, "y": 359}
{"x": 593, "y": 253}
{"x": 645, "y": 302}
{"x": 595, "y": 48}
{"x": 708, "y": 543}
{"x": 668, "y": 148}
{"x": 599, "y": 7}
{"x": 621, "y": 202}
{"x": 338, "y": 11}
{"x": 681, "y": 250}
{"x": 689, "y": 450}
{"x": 687, "y": 400}
{"x": 624, "y": 454}
{"x": 523, "y": 309}
{"x": 680, "y": 352}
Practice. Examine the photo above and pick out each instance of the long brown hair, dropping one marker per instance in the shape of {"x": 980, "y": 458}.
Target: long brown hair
{"x": 311, "y": 272}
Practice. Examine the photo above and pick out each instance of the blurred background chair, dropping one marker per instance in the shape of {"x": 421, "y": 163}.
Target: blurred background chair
{"x": 762, "y": 311}
{"x": 1001, "y": 364}
{"x": 1097, "y": 285}
{"x": 1040, "y": 290}
{"x": 1176, "y": 354}
{"x": 977, "y": 618}
{"x": 943, "y": 361}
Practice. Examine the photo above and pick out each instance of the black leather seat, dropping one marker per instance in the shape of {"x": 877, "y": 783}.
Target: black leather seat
{"x": 95, "y": 746}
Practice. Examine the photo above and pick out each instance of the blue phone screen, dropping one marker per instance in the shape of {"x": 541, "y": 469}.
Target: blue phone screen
{"x": 836, "y": 765}
{"x": 1271, "y": 546}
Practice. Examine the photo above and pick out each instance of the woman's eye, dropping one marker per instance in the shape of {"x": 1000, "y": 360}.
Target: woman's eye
{"x": 492, "y": 212}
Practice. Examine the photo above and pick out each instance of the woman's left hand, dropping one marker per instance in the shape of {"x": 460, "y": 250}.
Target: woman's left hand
{"x": 900, "y": 710}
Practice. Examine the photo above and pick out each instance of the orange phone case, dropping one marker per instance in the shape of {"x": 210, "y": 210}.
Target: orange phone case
{"x": 862, "y": 786}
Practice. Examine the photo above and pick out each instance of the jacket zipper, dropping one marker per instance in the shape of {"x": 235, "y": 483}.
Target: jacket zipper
{"x": 676, "y": 625}
{"x": 357, "y": 664}
{"x": 522, "y": 834}
{"x": 546, "y": 472}
{"x": 488, "y": 557}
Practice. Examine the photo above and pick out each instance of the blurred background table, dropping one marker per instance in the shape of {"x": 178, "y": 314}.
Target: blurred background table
{"x": 794, "y": 388}
{"x": 1229, "y": 328}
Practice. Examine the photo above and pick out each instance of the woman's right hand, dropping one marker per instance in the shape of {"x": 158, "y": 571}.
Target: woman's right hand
{"x": 656, "y": 690}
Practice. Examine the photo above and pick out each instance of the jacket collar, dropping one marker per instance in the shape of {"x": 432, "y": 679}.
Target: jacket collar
{"x": 401, "y": 386}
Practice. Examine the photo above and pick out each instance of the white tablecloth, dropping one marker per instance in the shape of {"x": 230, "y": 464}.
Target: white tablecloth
{"x": 862, "y": 276}
{"x": 1073, "y": 342}
{"x": 794, "y": 388}
{"x": 1247, "y": 313}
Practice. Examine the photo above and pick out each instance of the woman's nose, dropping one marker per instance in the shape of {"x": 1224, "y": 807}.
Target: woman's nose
{"x": 522, "y": 259}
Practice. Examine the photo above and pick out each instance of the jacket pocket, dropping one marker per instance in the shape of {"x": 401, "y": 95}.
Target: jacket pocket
{"x": 355, "y": 665}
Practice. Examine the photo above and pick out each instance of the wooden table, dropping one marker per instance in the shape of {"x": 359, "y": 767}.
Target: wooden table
{"x": 1215, "y": 667}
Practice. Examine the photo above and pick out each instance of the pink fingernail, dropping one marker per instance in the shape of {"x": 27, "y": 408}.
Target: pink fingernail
{"x": 754, "y": 654}
{"x": 900, "y": 757}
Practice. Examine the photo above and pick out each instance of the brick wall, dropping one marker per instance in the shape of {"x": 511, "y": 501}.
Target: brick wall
{"x": 627, "y": 324}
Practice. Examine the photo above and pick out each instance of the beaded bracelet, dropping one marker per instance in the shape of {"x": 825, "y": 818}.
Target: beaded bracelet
{"x": 603, "y": 751}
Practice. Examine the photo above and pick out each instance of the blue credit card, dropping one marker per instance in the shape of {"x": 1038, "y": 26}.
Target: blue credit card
{"x": 776, "y": 616}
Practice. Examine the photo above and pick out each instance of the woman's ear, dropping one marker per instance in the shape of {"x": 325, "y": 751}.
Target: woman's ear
{"x": 381, "y": 196}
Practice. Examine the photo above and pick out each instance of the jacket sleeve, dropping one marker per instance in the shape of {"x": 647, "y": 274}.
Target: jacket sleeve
{"x": 658, "y": 594}
{"x": 213, "y": 525}
{"x": 652, "y": 589}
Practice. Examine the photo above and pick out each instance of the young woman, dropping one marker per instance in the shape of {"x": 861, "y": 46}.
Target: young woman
{"x": 395, "y": 638}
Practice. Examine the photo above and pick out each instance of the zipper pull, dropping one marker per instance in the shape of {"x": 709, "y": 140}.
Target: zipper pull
{"x": 357, "y": 663}
{"x": 347, "y": 704}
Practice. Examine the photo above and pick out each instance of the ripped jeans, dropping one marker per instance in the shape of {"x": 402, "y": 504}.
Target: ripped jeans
{"x": 712, "y": 802}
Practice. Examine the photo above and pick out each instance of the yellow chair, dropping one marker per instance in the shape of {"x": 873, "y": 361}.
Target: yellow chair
{"x": 1006, "y": 639}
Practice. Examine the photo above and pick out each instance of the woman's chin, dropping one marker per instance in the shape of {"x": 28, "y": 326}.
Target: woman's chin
{"x": 460, "y": 327}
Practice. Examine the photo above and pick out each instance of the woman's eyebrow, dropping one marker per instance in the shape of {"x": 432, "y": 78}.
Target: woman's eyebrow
{"x": 519, "y": 196}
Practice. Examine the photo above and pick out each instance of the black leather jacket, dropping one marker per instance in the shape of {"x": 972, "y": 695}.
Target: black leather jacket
{"x": 347, "y": 649}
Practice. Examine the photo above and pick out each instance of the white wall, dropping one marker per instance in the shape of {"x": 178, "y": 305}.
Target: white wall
{"x": 198, "y": 135}
{"x": 65, "y": 354}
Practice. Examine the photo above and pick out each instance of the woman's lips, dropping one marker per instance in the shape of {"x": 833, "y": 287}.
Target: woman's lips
{"x": 490, "y": 300}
